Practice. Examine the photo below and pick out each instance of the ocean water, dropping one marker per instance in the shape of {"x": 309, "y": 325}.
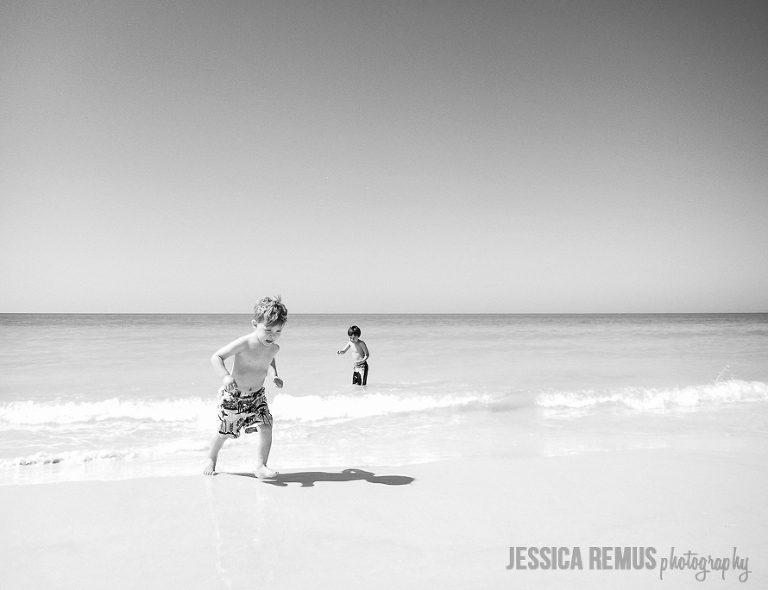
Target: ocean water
{"x": 87, "y": 397}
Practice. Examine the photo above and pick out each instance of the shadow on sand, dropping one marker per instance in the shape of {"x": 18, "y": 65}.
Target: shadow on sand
{"x": 307, "y": 479}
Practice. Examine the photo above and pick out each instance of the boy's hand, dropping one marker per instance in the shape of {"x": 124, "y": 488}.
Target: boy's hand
{"x": 278, "y": 382}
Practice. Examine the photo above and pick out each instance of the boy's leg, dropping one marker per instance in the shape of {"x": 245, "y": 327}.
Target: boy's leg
{"x": 355, "y": 377}
{"x": 365, "y": 374}
{"x": 263, "y": 446}
{"x": 213, "y": 454}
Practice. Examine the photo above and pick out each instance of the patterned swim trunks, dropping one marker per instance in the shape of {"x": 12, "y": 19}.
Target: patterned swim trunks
{"x": 238, "y": 411}
{"x": 360, "y": 374}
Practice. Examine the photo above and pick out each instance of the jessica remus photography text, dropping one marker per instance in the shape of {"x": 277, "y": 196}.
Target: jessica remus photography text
{"x": 627, "y": 558}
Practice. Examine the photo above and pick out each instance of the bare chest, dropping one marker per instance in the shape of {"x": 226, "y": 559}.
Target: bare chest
{"x": 254, "y": 360}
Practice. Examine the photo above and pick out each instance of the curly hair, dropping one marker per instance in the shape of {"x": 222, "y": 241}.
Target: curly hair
{"x": 270, "y": 311}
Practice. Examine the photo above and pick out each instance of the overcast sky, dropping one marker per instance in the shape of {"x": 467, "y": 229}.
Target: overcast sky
{"x": 384, "y": 157}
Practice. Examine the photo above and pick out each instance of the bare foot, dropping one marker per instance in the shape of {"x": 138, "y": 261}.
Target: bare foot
{"x": 210, "y": 468}
{"x": 264, "y": 472}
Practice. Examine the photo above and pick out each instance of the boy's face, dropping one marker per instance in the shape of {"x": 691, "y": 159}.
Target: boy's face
{"x": 354, "y": 338}
{"x": 267, "y": 335}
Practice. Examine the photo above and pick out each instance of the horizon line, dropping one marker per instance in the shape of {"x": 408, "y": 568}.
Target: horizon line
{"x": 2, "y": 313}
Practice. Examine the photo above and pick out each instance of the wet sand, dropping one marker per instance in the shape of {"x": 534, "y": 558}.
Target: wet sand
{"x": 437, "y": 525}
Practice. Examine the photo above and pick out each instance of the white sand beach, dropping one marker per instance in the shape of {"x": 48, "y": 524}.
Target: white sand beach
{"x": 438, "y": 525}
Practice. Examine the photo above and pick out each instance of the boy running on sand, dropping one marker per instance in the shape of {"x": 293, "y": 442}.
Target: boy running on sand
{"x": 360, "y": 355}
{"x": 242, "y": 402}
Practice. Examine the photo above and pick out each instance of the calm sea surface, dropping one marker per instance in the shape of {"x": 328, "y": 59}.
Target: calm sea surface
{"x": 121, "y": 396}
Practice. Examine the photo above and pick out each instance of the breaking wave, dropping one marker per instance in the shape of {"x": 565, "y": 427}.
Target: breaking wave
{"x": 283, "y": 407}
{"x": 638, "y": 398}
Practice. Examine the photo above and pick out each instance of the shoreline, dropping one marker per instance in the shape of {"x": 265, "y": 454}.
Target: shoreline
{"x": 445, "y": 524}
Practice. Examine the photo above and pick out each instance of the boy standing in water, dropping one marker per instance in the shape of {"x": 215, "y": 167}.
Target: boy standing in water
{"x": 360, "y": 355}
{"x": 242, "y": 403}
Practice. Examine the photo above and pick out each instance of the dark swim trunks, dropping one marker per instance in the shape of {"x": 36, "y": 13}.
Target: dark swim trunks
{"x": 360, "y": 374}
{"x": 238, "y": 411}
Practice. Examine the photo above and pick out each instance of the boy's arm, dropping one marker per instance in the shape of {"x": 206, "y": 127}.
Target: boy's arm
{"x": 345, "y": 349}
{"x": 218, "y": 358}
{"x": 365, "y": 350}
{"x": 278, "y": 382}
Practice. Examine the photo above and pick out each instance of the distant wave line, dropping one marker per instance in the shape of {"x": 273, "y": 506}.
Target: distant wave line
{"x": 284, "y": 407}
{"x": 639, "y": 398}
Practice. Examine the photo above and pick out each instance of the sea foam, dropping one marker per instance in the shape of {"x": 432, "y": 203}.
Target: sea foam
{"x": 283, "y": 407}
{"x": 638, "y": 398}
